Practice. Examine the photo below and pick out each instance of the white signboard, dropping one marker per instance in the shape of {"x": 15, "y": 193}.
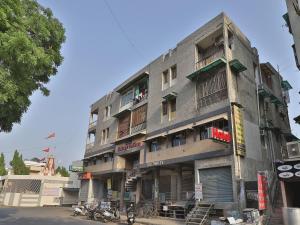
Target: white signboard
{"x": 198, "y": 191}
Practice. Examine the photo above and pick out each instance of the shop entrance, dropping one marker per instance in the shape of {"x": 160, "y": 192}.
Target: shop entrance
{"x": 293, "y": 198}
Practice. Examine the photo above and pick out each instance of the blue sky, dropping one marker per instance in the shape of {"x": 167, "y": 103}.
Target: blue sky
{"x": 98, "y": 57}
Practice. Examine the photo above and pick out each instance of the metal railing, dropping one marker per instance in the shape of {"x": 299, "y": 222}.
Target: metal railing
{"x": 92, "y": 123}
{"x": 207, "y": 60}
{"x": 90, "y": 145}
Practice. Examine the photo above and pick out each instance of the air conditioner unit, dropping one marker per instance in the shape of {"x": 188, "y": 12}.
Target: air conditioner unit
{"x": 293, "y": 149}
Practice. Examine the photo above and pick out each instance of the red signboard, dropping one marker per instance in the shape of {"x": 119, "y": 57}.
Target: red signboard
{"x": 218, "y": 134}
{"x": 85, "y": 176}
{"x": 129, "y": 146}
{"x": 262, "y": 191}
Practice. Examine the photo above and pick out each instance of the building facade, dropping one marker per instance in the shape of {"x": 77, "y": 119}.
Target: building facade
{"x": 292, "y": 19}
{"x": 204, "y": 114}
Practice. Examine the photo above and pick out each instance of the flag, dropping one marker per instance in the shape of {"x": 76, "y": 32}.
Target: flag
{"x": 51, "y": 135}
{"x": 46, "y": 149}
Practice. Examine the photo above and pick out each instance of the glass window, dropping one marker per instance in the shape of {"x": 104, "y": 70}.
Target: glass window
{"x": 154, "y": 146}
{"x": 126, "y": 98}
{"x": 178, "y": 139}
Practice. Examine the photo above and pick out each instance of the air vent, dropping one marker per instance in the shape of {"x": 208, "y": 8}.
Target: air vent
{"x": 293, "y": 149}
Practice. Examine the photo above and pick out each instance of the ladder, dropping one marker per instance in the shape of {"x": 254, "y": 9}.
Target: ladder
{"x": 199, "y": 214}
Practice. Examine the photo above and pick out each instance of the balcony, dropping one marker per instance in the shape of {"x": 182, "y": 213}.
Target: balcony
{"x": 208, "y": 64}
{"x": 139, "y": 128}
{"x": 195, "y": 148}
{"x": 124, "y": 109}
{"x": 92, "y": 124}
{"x": 99, "y": 168}
{"x": 89, "y": 146}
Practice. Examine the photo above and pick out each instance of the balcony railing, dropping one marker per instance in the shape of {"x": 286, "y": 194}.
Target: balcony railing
{"x": 139, "y": 99}
{"x": 90, "y": 145}
{"x": 138, "y": 128}
{"x": 92, "y": 124}
{"x": 208, "y": 63}
{"x": 210, "y": 59}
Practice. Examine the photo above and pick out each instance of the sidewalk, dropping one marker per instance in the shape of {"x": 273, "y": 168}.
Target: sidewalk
{"x": 155, "y": 221}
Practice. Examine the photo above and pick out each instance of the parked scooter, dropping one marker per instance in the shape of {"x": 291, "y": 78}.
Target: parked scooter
{"x": 131, "y": 214}
{"x": 80, "y": 210}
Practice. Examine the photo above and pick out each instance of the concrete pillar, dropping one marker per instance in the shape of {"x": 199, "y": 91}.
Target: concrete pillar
{"x": 156, "y": 187}
{"x": 179, "y": 182}
{"x": 122, "y": 191}
{"x": 90, "y": 197}
{"x": 138, "y": 192}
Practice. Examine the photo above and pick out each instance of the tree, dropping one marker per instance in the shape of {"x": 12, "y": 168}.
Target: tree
{"x": 3, "y": 171}
{"x": 30, "y": 43}
{"x": 18, "y": 164}
{"x": 62, "y": 171}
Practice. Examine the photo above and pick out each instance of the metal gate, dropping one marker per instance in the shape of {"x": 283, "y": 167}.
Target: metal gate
{"x": 216, "y": 184}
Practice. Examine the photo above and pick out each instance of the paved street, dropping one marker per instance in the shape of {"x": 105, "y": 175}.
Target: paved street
{"x": 44, "y": 216}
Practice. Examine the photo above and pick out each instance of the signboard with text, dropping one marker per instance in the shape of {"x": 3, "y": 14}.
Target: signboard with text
{"x": 129, "y": 146}
{"x": 239, "y": 130}
{"x": 218, "y": 134}
{"x": 262, "y": 191}
{"x": 198, "y": 191}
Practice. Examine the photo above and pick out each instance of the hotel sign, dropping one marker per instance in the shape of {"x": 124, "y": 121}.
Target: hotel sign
{"x": 129, "y": 146}
{"x": 218, "y": 134}
{"x": 239, "y": 130}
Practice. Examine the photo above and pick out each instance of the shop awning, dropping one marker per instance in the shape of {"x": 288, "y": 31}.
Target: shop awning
{"x": 290, "y": 137}
{"x": 211, "y": 66}
{"x": 297, "y": 119}
{"x": 99, "y": 153}
{"x": 170, "y": 95}
{"x": 163, "y": 134}
{"x": 173, "y": 131}
{"x": 237, "y": 66}
{"x": 286, "y": 85}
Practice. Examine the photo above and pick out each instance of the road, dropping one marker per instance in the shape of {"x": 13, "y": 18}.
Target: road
{"x": 42, "y": 216}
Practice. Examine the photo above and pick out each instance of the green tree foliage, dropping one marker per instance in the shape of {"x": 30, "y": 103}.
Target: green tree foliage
{"x": 18, "y": 164}
{"x": 30, "y": 43}
{"x": 62, "y": 171}
{"x": 3, "y": 171}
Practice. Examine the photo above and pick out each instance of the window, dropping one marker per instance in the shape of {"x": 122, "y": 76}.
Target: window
{"x": 173, "y": 75}
{"x": 107, "y": 112}
{"x": 172, "y": 109}
{"x": 127, "y": 98}
{"x": 103, "y": 137}
{"x": 164, "y": 108}
{"x": 178, "y": 139}
{"x": 124, "y": 126}
{"x": 107, "y": 135}
{"x": 204, "y": 132}
{"x": 211, "y": 89}
{"x": 154, "y": 146}
{"x": 165, "y": 79}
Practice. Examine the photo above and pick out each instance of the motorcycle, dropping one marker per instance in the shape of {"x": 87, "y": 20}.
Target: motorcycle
{"x": 107, "y": 215}
{"x": 131, "y": 214}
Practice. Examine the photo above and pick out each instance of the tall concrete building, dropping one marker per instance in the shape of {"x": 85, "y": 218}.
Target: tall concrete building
{"x": 204, "y": 115}
{"x": 292, "y": 19}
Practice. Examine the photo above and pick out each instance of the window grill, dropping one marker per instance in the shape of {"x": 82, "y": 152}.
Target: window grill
{"x": 23, "y": 186}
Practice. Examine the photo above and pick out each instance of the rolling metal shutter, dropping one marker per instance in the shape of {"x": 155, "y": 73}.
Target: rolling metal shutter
{"x": 83, "y": 192}
{"x": 216, "y": 184}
